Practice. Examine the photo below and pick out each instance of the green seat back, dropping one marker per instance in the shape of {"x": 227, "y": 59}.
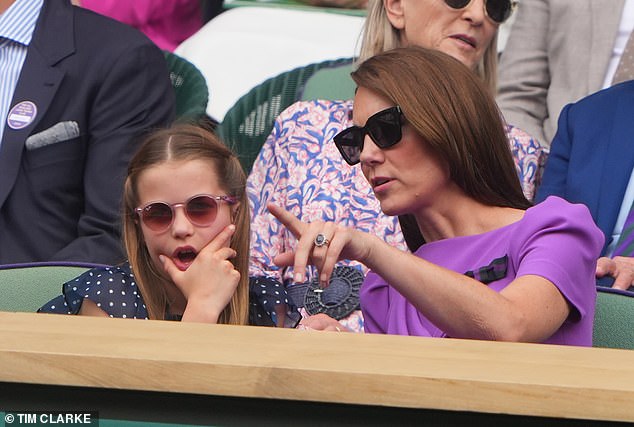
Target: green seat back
{"x": 249, "y": 121}
{"x": 26, "y": 287}
{"x": 330, "y": 83}
{"x": 190, "y": 87}
{"x": 294, "y": 5}
{"x": 614, "y": 319}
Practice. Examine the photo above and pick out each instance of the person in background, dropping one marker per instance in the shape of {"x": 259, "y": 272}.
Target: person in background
{"x": 186, "y": 232}
{"x": 166, "y": 22}
{"x": 429, "y": 139}
{"x": 558, "y": 52}
{"x": 299, "y": 166}
{"x": 76, "y": 90}
{"x": 592, "y": 162}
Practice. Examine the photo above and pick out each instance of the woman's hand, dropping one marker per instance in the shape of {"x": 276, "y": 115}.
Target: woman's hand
{"x": 210, "y": 281}
{"x": 336, "y": 243}
{"x": 322, "y": 322}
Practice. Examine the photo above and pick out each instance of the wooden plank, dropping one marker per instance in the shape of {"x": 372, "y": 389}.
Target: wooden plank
{"x": 391, "y": 371}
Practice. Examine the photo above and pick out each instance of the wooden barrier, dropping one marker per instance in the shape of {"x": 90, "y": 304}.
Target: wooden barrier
{"x": 280, "y": 369}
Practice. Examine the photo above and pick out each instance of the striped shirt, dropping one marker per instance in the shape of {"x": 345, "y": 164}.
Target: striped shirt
{"x": 17, "y": 24}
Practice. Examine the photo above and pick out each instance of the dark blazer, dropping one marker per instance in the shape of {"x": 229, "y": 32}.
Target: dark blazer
{"x": 97, "y": 85}
{"x": 592, "y": 154}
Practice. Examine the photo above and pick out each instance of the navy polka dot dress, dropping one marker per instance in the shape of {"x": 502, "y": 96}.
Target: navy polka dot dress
{"x": 114, "y": 290}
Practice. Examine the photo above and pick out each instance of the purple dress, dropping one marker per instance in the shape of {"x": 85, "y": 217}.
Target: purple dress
{"x": 555, "y": 239}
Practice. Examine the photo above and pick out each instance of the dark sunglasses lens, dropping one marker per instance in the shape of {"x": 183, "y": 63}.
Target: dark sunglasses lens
{"x": 457, "y": 4}
{"x": 202, "y": 210}
{"x": 385, "y": 128}
{"x": 157, "y": 216}
{"x": 499, "y": 10}
{"x": 350, "y": 143}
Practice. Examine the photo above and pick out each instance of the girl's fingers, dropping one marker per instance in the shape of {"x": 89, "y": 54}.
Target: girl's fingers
{"x": 170, "y": 268}
{"x": 226, "y": 253}
{"x": 222, "y": 239}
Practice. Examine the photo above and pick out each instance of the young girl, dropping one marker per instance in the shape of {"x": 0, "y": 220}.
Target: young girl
{"x": 186, "y": 233}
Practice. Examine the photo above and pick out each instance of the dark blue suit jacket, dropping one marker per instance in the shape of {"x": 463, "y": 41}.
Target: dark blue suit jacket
{"x": 592, "y": 154}
{"x": 61, "y": 201}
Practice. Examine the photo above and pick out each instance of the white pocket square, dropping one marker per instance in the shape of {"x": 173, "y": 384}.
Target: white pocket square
{"x": 62, "y": 131}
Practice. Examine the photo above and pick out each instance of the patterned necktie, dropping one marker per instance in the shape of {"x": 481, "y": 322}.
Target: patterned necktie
{"x": 625, "y": 69}
{"x": 625, "y": 244}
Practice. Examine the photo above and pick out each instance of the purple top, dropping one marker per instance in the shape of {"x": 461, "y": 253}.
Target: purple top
{"x": 555, "y": 239}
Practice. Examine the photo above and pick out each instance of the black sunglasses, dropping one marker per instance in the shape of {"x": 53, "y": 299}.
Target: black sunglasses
{"x": 497, "y": 10}
{"x": 383, "y": 127}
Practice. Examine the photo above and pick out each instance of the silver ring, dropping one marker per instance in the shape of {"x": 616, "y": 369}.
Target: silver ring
{"x": 321, "y": 240}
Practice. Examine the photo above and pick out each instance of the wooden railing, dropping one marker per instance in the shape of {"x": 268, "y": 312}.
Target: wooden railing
{"x": 308, "y": 366}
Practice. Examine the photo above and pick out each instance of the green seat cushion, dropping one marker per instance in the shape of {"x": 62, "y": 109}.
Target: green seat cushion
{"x": 330, "y": 83}
{"x": 27, "y": 288}
{"x": 614, "y": 319}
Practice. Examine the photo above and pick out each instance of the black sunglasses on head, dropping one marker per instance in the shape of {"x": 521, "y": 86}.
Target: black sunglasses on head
{"x": 384, "y": 128}
{"x": 497, "y": 10}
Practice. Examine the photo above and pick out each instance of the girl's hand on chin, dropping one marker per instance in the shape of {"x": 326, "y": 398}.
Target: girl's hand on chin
{"x": 211, "y": 280}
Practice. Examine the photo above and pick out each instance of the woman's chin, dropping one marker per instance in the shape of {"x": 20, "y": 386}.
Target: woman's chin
{"x": 391, "y": 209}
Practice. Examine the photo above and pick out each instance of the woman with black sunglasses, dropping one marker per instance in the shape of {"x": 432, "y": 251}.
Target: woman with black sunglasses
{"x": 429, "y": 139}
{"x": 300, "y": 168}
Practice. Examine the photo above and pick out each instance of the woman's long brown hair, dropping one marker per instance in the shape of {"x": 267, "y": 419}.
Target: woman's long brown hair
{"x": 455, "y": 114}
